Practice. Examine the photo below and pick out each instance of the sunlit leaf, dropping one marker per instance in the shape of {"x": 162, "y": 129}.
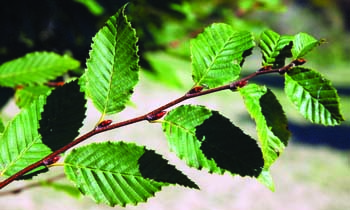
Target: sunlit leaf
{"x": 218, "y": 53}
{"x": 27, "y": 95}
{"x": 275, "y": 48}
{"x": 35, "y": 68}
{"x": 112, "y": 69}
{"x": 271, "y": 122}
{"x": 93, "y": 6}
{"x": 179, "y": 126}
{"x": 266, "y": 179}
{"x": 205, "y": 139}
{"x": 21, "y": 143}
{"x": 313, "y": 95}
{"x": 304, "y": 43}
{"x": 171, "y": 75}
{"x": 118, "y": 173}
{"x": 275, "y": 117}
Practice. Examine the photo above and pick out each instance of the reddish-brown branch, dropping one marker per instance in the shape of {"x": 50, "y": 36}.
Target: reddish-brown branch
{"x": 150, "y": 116}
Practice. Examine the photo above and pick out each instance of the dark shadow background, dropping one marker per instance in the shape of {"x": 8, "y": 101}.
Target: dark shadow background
{"x": 66, "y": 26}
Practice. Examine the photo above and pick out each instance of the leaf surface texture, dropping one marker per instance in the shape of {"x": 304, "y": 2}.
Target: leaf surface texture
{"x": 112, "y": 69}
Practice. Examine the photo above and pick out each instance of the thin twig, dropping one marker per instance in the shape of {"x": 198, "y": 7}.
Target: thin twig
{"x": 32, "y": 185}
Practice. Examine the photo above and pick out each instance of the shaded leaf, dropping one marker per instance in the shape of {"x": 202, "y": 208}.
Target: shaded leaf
{"x": 218, "y": 53}
{"x": 118, "y": 173}
{"x": 304, "y": 43}
{"x": 205, "y": 139}
{"x": 2, "y": 126}
{"x": 229, "y": 147}
{"x": 275, "y": 48}
{"x": 275, "y": 117}
{"x": 271, "y": 122}
{"x": 153, "y": 166}
{"x": 313, "y": 95}
{"x": 35, "y": 68}
{"x": 179, "y": 127}
{"x": 21, "y": 143}
{"x": 112, "y": 69}
{"x": 27, "y": 95}
{"x": 63, "y": 115}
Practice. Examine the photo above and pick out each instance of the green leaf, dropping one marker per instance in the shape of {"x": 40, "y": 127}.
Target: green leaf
{"x": 171, "y": 75}
{"x": 93, "y": 6}
{"x": 63, "y": 115}
{"x": 118, "y": 173}
{"x": 205, "y": 139}
{"x": 218, "y": 53}
{"x": 275, "y": 117}
{"x": 2, "y": 126}
{"x": 303, "y": 44}
{"x": 266, "y": 179}
{"x": 62, "y": 187}
{"x": 25, "y": 96}
{"x": 179, "y": 127}
{"x": 229, "y": 147}
{"x": 253, "y": 5}
{"x": 153, "y": 166}
{"x": 275, "y": 48}
{"x": 271, "y": 122}
{"x": 313, "y": 95}
{"x": 21, "y": 144}
{"x": 35, "y": 68}
{"x": 112, "y": 69}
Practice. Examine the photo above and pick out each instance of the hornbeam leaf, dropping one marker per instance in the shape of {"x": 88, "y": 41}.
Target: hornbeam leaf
{"x": 304, "y": 43}
{"x": 313, "y": 95}
{"x": 229, "y": 147}
{"x": 218, "y": 53}
{"x": 35, "y": 68}
{"x": 154, "y": 167}
{"x": 271, "y": 126}
{"x": 275, "y": 117}
{"x": 266, "y": 179}
{"x": 179, "y": 127}
{"x": 112, "y": 69}
{"x": 63, "y": 115}
{"x": 275, "y": 48}
{"x": 118, "y": 173}
{"x": 205, "y": 139}
{"x": 20, "y": 144}
{"x": 25, "y": 96}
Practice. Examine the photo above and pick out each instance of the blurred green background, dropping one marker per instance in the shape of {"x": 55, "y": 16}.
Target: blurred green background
{"x": 314, "y": 171}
